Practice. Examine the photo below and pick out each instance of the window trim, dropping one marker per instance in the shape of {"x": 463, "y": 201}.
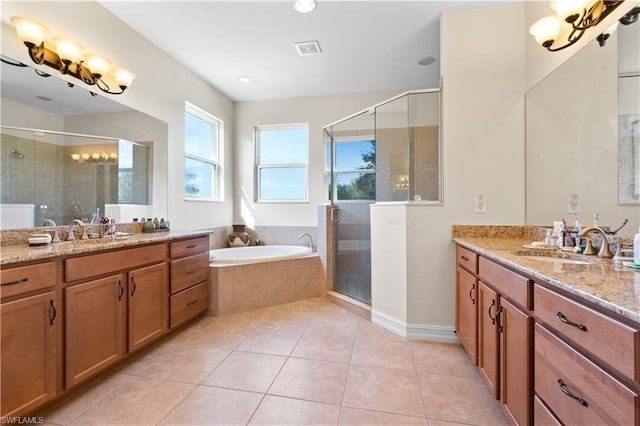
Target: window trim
{"x": 258, "y": 166}
{"x": 335, "y": 171}
{"x": 218, "y": 154}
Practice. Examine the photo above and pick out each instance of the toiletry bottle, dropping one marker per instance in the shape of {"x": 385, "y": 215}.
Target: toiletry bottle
{"x": 547, "y": 238}
{"x": 596, "y": 217}
{"x": 636, "y": 248}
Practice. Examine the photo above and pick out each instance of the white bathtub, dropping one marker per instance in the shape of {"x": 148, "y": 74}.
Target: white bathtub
{"x": 256, "y": 254}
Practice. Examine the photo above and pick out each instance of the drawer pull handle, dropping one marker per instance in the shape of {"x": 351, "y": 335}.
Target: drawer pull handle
{"x": 21, "y": 280}
{"x": 498, "y": 313}
{"x": 564, "y": 319}
{"x": 493, "y": 303}
{"x": 133, "y": 290}
{"x": 192, "y": 302}
{"x": 563, "y": 388}
{"x": 473, "y": 301}
{"x": 192, "y": 246}
{"x": 54, "y": 312}
{"x": 120, "y": 290}
{"x": 193, "y": 271}
{"x": 465, "y": 258}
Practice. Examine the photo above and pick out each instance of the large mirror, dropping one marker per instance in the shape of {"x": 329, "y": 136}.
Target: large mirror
{"x": 67, "y": 153}
{"x": 583, "y": 139}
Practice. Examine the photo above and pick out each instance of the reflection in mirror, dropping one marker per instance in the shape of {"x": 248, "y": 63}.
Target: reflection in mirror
{"x": 61, "y": 174}
{"x": 572, "y": 144}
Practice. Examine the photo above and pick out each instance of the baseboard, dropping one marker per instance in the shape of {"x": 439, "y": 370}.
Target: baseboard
{"x": 432, "y": 333}
{"x": 352, "y": 305}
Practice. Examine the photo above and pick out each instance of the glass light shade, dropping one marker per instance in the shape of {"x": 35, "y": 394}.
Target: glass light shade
{"x": 29, "y": 31}
{"x": 304, "y": 6}
{"x": 85, "y": 157}
{"x": 123, "y": 77}
{"x": 75, "y": 157}
{"x": 545, "y": 29}
{"x": 97, "y": 64}
{"x": 566, "y": 8}
{"x": 95, "y": 156}
{"x": 113, "y": 155}
{"x": 68, "y": 50}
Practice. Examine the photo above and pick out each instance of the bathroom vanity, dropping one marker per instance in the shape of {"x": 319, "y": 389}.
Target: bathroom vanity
{"x": 556, "y": 338}
{"x": 72, "y": 310}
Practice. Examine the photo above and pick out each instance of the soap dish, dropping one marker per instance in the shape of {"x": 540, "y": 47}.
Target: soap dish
{"x": 39, "y": 239}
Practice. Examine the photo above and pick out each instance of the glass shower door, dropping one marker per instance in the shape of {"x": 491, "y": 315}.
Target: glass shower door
{"x": 351, "y": 156}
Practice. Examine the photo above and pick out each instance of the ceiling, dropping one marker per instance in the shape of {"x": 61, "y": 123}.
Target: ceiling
{"x": 366, "y": 45}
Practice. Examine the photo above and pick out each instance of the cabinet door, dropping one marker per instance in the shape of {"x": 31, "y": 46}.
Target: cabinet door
{"x": 28, "y": 362}
{"x": 148, "y": 305}
{"x": 488, "y": 344}
{"x": 467, "y": 312}
{"x": 94, "y": 327}
{"x": 516, "y": 392}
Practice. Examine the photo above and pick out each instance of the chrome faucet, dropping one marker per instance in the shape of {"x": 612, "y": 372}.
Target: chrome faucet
{"x": 604, "y": 248}
{"x": 311, "y": 245}
{"x": 50, "y": 222}
{"x": 70, "y": 236}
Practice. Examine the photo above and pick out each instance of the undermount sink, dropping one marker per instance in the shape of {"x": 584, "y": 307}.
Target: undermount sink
{"x": 557, "y": 260}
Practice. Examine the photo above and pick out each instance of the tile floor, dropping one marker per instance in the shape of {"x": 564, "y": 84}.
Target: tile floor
{"x": 308, "y": 362}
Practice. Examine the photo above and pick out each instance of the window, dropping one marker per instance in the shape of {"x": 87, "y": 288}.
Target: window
{"x": 125, "y": 173}
{"x": 354, "y": 173}
{"x": 202, "y": 144}
{"x": 282, "y": 161}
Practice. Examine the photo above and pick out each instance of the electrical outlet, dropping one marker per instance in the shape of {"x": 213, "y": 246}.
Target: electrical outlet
{"x": 573, "y": 204}
{"x": 480, "y": 204}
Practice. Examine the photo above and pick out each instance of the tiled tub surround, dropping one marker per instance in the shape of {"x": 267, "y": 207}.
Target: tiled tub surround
{"x": 240, "y": 288}
{"x": 607, "y": 285}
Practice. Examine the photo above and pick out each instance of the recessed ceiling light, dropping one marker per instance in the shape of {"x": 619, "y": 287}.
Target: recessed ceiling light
{"x": 304, "y": 6}
{"x": 244, "y": 79}
{"x": 427, "y": 60}
{"x": 306, "y": 48}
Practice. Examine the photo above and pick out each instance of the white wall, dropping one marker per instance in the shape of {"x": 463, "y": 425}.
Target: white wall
{"x": 19, "y": 115}
{"x": 318, "y": 112}
{"x": 160, "y": 89}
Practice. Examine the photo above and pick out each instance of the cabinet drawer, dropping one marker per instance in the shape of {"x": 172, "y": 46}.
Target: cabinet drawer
{"x": 188, "y": 271}
{"x": 189, "y": 303}
{"x": 562, "y": 375}
{"x": 613, "y": 342}
{"x": 507, "y": 283}
{"x": 27, "y": 278}
{"x": 189, "y": 247}
{"x": 93, "y": 265}
{"x": 541, "y": 414}
{"x": 467, "y": 259}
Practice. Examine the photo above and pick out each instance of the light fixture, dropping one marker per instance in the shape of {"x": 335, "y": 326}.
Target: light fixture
{"x": 94, "y": 158}
{"x": 628, "y": 19}
{"x": 68, "y": 57}
{"x": 304, "y": 6}
{"x": 572, "y": 19}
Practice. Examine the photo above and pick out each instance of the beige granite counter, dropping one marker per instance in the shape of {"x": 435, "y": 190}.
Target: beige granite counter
{"x": 23, "y": 252}
{"x": 611, "y": 286}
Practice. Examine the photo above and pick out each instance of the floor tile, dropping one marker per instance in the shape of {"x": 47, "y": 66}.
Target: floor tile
{"x": 187, "y": 364}
{"x": 311, "y": 380}
{"x": 460, "y": 399}
{"x": 443, "y": 358}
{"x": 246, "y": 371}
{"x": 384, "y": 353}
{"x": 359, "y": 417}
{"x": 210, "y": 337}
{"x": 214, "y": 406}
{"x": 271, "y": 341}
{"x": 140, "y": 402}
{"x": 384, "y": 389}
{"x": 331, "y": 347}
{"x": 275, "y": 410}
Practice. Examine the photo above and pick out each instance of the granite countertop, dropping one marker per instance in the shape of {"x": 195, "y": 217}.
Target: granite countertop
{"x": 611, "y": 286}
{"x": 23, "y": 252}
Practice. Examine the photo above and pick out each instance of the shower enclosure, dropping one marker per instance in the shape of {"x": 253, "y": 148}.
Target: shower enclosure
{"x": 390, "y": 152}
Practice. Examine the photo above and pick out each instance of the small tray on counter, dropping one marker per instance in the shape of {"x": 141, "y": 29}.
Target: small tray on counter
{"x": 156, "y": 230}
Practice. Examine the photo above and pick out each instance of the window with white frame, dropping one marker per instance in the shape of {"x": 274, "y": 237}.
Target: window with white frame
{"x": 354, "y": 168}
{"x": 282, "y": 159}
{"x": 202, "y": 139}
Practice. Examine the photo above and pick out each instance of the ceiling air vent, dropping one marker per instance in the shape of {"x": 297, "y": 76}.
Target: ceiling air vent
{"x": 306, "y": 48}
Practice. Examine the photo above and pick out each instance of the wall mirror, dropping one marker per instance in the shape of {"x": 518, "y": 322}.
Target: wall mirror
{"x": 68, "y": 153}
{"x": 582, "y": 137}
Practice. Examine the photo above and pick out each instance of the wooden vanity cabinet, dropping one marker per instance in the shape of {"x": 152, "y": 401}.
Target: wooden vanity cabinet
{"x": 189, "y": 279}
{"x": 466, "y": 301}
{"x": 148, "y": 310}
{"x": 29, "y": 330}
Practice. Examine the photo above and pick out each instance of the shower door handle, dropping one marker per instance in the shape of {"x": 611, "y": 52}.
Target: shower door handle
{"x": 335, "y": 215}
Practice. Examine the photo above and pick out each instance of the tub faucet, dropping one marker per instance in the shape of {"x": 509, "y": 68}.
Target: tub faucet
{"x": 311, "y": 245}
{"x": 50, "y": 222}
{"x": 70, "y": 236}
{"x": 604, "y": 248}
